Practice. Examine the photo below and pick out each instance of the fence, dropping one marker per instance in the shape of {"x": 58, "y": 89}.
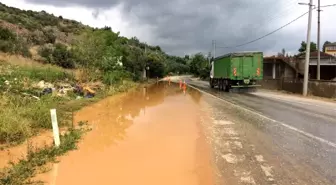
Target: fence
{"x": 322, "y": 88}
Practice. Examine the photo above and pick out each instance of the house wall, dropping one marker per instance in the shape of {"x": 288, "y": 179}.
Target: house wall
{"x": 331, "y": 50}
{"x": 325, "y": 89}
{"x": 314, "y": 62}
{"x": 328, "y": 68}
{"x": 268, "y": 70}
{"x": 327, "y": 72}
{"x": 274, "y": 70}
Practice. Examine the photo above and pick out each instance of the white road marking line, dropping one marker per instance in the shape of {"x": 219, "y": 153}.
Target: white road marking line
{"x": 281, "y": 123}
{"x": 233, "y": 159}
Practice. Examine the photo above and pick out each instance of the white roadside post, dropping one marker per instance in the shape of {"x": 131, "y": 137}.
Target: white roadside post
{"x": 55, "y": 127}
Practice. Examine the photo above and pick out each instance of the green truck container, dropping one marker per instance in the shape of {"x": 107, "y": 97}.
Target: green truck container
{"x": 236, "y": 70}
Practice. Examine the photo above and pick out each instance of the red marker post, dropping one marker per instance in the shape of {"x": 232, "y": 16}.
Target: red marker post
{"x": 184, "y": 87}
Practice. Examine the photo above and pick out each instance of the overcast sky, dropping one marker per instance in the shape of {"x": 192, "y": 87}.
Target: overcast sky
{"x": 188, "y": 26}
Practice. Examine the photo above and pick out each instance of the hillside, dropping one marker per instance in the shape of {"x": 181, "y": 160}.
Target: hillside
{"x": 44, "y": 59}
{"x": 70, "y": 44}
{"x": 44, "y": 54}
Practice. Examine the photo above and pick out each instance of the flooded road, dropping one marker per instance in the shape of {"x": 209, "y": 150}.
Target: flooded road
{"x": 149, "y": 136}
{"x": 160, "y": 135}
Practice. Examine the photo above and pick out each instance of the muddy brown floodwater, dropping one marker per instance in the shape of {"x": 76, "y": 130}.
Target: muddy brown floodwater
{"x": 149, "y": 136}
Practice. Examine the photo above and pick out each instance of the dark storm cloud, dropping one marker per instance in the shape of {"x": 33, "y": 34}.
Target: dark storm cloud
{"x": 182, "y": 26}
{"x": 86, "y": 3}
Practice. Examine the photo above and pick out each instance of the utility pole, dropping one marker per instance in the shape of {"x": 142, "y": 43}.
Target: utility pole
{"x": 144, "y": 69}
{"x": 318, "y": 41}
{"x": 214, "y": 48}
{"x": 306, "y": 71}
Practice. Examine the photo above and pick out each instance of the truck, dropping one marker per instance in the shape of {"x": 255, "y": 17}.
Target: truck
{"x": 236, "y": 70}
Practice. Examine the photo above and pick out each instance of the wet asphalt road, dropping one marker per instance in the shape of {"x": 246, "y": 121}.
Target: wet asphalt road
{"x": 296, "y": 136}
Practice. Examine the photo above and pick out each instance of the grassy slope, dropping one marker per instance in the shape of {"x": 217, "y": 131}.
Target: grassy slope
{"x": 22, "y": 116}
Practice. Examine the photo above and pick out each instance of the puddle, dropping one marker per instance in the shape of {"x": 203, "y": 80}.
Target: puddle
{"x": 149, "y": 136}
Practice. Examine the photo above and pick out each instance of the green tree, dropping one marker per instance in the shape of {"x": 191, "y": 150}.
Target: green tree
{"x": 313, "y": 47}
{"x": 199, "y": 65}
{"x": 324, "y": 45}
{"x": 61, "y": 56}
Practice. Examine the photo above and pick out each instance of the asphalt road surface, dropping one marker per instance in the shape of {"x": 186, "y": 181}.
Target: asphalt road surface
{"x": 275, "y": 138}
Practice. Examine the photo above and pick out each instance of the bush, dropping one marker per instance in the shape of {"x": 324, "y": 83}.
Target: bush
{"x": 115, "y": 77}
{"x": 49, "y": 36}
{"x": 46, "y": 53}
{"x": 39, "y": 113}
{"x": 59, "y": 55}
{"x": 50, "y": 74}
{"x": 9, "y": 43}
{"x": 156, "y": 69}
{"x": 13, "y": 128}
{"x": 21, "y": 47}
{"x": 7, "y": 35}
{"x": 62, "y": 56}
{"x": 37, "y": 37}
{"x": 6, "y": 46}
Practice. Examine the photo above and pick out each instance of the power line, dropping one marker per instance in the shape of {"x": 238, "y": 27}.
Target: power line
{"x": 274, "y": 30}
{"x": 266, "y": 34}
{"x": 328, "y": 5}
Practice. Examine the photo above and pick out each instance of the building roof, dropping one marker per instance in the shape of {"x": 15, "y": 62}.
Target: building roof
{"x": 331, "y": 44}
{"x": 314, "y": 55}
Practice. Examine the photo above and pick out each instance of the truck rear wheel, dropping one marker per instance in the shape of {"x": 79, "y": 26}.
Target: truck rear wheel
{"x": 211, "y": 83}
{"x": 221, "y": 82}
{"x": 226, "y": 86}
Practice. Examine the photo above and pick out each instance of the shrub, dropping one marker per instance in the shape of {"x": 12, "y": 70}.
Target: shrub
{"x": 13, "y": 128}
{"x": 39, "y": 112}
{"x": 6, "y": 34}
{"x": 156, "y": 69}
{"x": 46, "y": 53}
{"x": 62, "y": 56}
{"x": 9, "y": 43}
{"x": 49, "y": 36}
{"x": 115, "y": 77}
{"x": 50, "y": 73}
{"x": 6, "y": 46}
{"x": 37, "y": 37}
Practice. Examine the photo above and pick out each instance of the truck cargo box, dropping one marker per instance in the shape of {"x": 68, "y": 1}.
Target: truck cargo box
{"x": 240, "y": 69}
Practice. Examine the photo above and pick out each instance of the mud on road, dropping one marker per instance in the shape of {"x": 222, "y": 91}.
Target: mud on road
{"x": 148, "y": 136}
{"x": 159, "y": 135}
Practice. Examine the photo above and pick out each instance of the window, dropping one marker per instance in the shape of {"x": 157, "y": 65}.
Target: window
{"x": 330, "y": 48}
